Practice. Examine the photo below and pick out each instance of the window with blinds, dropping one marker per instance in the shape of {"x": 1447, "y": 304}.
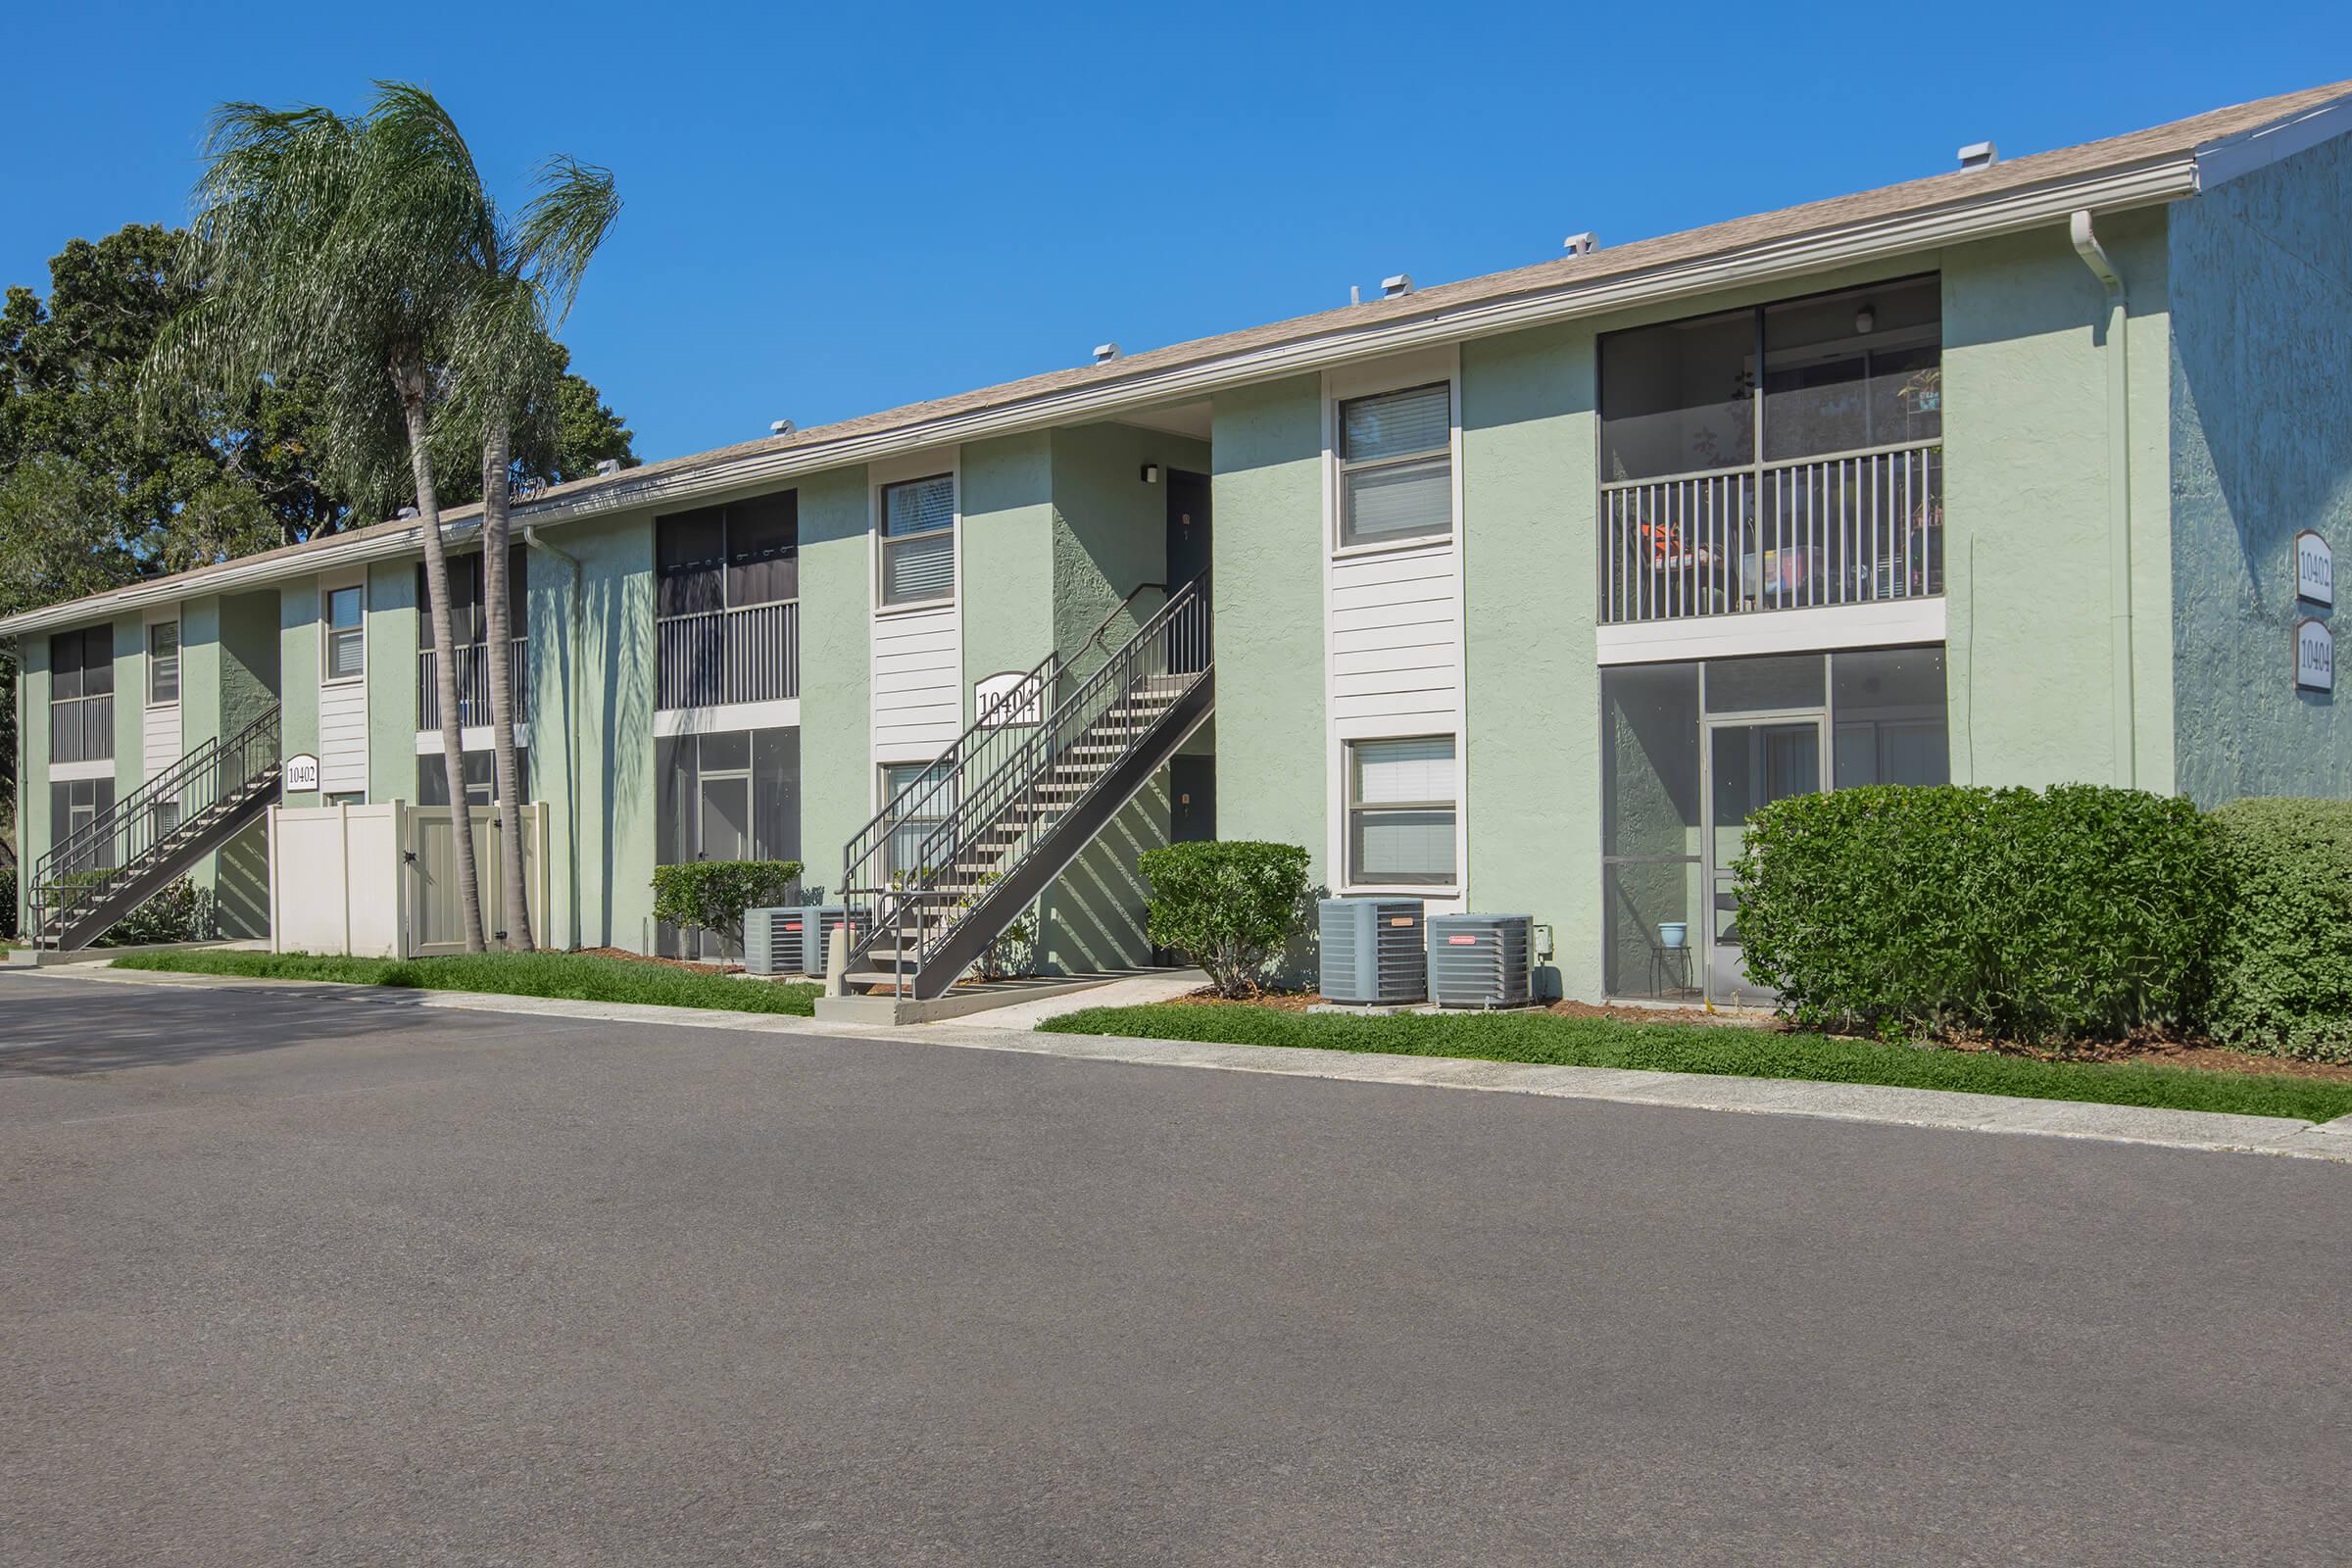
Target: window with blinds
{"x": 923, "y": 811}
{"x": 1400, "y": 807}
{"x": 346, "y": 637}
{"x": 918, "y": 540}
{"x": 1396, "y": 466}
{"x": 163, "y": 664}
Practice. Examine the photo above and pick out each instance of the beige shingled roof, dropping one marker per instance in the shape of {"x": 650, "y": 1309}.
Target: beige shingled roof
{"x": 1953, "y": 190}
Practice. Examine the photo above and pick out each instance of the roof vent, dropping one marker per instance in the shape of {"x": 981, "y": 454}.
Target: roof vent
{"x": 779, "y": 427}
{"x": 1398, "y": 287}
{"x": 1980, "y": 155}
{"x": 1584, "y": 244}
{"x": 605, "y": 468}
{"x": 1104, "y": 353}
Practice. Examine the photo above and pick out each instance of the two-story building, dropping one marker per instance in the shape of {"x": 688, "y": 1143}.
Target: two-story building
{"x": 1516, "y": 594}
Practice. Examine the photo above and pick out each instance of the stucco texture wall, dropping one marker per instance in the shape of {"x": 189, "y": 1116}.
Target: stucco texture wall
{"x": 1268, "y": 545}
{"x": 2261, "y": 423}
{"x": 599, "y": 791}
{"x": 1531, "y": 772}
{"x": 33, "y": 835}
{"x": 1109, "y": 537}
{"x": 298, "y": 676}
{"x": 836, "y": 656}
{"x": 2030, "y": 670}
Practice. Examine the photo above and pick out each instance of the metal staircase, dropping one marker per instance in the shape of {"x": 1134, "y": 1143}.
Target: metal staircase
{"x": 148, "y": 838}
{"x": 945, "y": 867}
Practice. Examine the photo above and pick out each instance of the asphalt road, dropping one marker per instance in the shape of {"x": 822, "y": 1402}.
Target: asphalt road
{"x": 292, "y": 1278}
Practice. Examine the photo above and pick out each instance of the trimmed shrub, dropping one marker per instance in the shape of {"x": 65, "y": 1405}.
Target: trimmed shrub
{"x": 2283, "y": 958}
{"x": 712, "y": 895}
{"x": 2078, "y": 913}
{"x": 1230, "y": 908}
{"x": 181, "y": 911}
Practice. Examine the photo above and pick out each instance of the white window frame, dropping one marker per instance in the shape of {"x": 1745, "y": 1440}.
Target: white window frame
{"x": 327, "y": 630}
{"x": 147, "y": 650}
{"x": 1340, "y": 390}
{"x": 915, "y": 473}
{"x": 1351, "y": 805}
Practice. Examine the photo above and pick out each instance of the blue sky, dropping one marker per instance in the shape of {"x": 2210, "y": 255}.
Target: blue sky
{"x": 833, "y": 210}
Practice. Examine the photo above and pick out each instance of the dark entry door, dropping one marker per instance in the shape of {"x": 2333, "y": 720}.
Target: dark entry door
{"x": 1188, "y": 526}
{"x": 1192, "y": 800}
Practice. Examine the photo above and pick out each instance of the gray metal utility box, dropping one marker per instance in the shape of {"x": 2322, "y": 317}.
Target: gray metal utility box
{"x": 1372, "y": 950}
{"x": 1480, "y": 960}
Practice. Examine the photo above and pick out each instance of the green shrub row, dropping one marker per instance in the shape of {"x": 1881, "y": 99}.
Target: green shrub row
{"x": 2076, "y": 913}
{"x": 2281, "y": 979}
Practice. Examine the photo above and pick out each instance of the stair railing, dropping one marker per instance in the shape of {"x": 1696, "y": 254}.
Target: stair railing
{"x": 977, "y": 834}
{"x": 85, "y": 867}
{"x": 997, "y": 733}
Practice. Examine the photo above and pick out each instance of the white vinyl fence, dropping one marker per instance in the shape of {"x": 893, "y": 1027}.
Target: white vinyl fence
{"x": 375, "y": 881}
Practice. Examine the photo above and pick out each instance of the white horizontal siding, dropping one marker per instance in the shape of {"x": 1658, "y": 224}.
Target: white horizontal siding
{"x": 917, "y": 683}
{"x": 1396, "y": 636}
{"x": 343, "y": 737}
{"x": 159, "y": 738}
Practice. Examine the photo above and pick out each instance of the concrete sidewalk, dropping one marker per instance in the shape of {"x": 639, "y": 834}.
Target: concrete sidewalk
{"x": 2208, "y": 1131}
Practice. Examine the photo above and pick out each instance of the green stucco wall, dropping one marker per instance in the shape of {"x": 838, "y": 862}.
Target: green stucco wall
{"x": 612, "y": 823}
{"x": 2026, "y": 511}
{"x": 2261, "y": 422}
{"x": 836, "y": 652}
{"x": 1267, "y": 500}
{"x": 1531, "y": 769}
{"x": 33, "y": 835}
{"x": 298, "y": 677}
{"x": 391, "y": 681}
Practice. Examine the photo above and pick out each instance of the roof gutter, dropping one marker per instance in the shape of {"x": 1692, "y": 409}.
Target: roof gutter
{"x": 2118, "y": 491}
{"x": 2004, "y": 212}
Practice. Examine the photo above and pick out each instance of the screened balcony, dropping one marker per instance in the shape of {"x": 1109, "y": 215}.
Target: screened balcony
{"x": 1818, "y": 482}
{"x": 473, "y": 686}
{"x": 727, "y": 612}
{"x": 747, "y": 654}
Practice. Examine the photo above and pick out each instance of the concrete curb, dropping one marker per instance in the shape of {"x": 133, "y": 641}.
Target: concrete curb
{"x": 2203, "y": 1130}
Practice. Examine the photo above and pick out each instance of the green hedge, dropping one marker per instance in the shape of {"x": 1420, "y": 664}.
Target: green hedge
{"x": 712, "y": 895}
{"x": 1232, "y": 908}
{"x": 2283, "y": 958}
{"x": 2076, "y": 913}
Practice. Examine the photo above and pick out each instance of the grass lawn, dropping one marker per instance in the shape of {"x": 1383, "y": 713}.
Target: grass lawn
{"x": 573, "y": 977}
{"x": 1551, "y": 1039}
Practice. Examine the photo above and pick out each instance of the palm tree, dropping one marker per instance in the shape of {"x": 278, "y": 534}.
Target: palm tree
{"x": 508, "y": 370}
{"x": 342, "y": 254}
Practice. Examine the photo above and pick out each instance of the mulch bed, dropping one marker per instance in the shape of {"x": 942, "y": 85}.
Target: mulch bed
{"x": 2151, "y": 1051}
{"x": 674, "y": 963}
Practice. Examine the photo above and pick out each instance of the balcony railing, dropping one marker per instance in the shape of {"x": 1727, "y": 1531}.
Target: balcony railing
{"x": 750, "y": 654}
{"x": 1862, "y": 528}
{"x": 473, "y": 686}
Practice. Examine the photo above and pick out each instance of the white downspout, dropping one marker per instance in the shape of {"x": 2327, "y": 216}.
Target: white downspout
{"x": 2119, "y": 493}
{"x": 571, "y": 730}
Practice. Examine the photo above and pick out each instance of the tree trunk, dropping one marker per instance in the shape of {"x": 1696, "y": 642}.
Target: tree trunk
{"x": 495, "y": 497}
{"x": 445, "y": 666}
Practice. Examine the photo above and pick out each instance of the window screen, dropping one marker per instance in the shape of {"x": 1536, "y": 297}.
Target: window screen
{"x": 1400, "y": 811}
{"x": 1396, "y": 465}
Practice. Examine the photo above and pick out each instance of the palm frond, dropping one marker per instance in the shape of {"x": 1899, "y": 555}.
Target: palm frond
{"x": 562, "y": 225}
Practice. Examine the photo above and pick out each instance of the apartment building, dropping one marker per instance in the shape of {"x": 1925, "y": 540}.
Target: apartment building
{"x": 1516, "y": 594}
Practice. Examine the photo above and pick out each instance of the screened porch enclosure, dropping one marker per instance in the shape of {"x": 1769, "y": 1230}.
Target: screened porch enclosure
{"x": 1782, "y": 458}
{"x": 1691, "y": 750}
